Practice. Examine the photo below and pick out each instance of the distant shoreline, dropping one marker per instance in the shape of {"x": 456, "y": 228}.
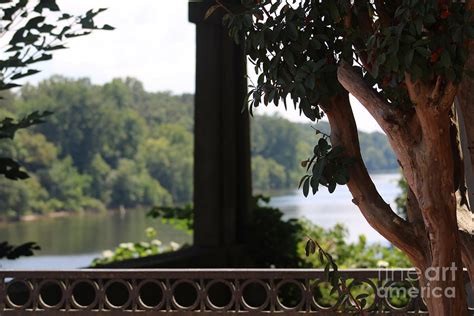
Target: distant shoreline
{"x": 51, "y": 215}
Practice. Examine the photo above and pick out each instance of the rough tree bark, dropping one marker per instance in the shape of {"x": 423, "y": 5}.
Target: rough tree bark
{"x": 422, "y": 142}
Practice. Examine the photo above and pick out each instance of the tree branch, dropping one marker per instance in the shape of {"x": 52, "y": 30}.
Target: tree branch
{"x": 377, "y": 106}
{"x": 470, "y": 5}
{"x": 392, "y": 120}
{"x": 376, "y": 211}
{"x": 403, "y": 128}
{"x": 384, "y": 17}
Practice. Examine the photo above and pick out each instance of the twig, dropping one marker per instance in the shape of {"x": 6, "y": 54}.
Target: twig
{"x": 223, "y": 6}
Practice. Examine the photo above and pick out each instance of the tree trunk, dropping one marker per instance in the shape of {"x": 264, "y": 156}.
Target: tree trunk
{"x": 422, "y": 142}
{"x": 433, "y": 187}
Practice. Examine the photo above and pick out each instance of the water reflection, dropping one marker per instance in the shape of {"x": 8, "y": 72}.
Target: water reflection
{"x": 327, "y": 209}
{"x": 88, "y": 233}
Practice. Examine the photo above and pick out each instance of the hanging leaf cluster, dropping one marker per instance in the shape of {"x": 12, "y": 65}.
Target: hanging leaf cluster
{"x": 8, "y": 127}
{"x": 294, "y": 47}
{"x": 337, "y": 281}
{"x": 328, "y": 166}
{"x": 12, "y": 252}
{"x": 29, "y": 31}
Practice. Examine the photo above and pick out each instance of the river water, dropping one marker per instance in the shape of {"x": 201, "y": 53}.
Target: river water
{"x": 72, "y": 242}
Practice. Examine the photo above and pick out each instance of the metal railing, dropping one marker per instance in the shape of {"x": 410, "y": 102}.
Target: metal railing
{"x": 197, "y": 291}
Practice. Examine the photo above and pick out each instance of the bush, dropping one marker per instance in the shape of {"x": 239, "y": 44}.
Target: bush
{"x": 130, "y": 250}
{"x": 349, "y": 255}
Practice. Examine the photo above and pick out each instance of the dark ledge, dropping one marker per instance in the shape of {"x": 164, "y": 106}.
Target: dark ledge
{"x": 191, "y": 257}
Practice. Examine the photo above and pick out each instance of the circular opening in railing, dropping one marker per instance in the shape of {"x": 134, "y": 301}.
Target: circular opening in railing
{"x": 362, "y": 294}
{"x": 255, "y": 295}
{"x": 117, "y": 294}
{"x": 398, "y": 295}
{"x": 51, "y": 294}
{"x": 325, "y": 296}
{"x": 18, "y": 294}
{"x": 290, "y": 294}
{"x": 151, "y": 294}
{"x": 220, "y": 295}
{"x": 185, "y": 294}
{"x": 84, "y": 294}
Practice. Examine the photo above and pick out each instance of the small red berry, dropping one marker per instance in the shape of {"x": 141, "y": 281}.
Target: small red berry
{"x": 436, "y": 54}
{"x": 445, "y": 14}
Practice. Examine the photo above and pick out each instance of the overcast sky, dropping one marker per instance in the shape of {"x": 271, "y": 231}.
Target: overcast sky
{"x": 153, "y": 42}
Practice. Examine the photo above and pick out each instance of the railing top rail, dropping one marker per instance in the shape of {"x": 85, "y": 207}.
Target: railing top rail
{"x": 204, "y": 273}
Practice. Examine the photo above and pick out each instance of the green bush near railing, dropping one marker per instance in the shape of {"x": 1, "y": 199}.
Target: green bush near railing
{"x": 272, "y": 242}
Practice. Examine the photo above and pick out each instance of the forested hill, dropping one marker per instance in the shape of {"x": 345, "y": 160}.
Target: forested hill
{"x": 114, "y": 145}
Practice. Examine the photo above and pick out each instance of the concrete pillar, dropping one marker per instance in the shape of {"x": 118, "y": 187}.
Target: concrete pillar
{"x": 222, "y": 181}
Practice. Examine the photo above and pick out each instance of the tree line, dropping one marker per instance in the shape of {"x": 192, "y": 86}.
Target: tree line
{"x": 117, "y": 145}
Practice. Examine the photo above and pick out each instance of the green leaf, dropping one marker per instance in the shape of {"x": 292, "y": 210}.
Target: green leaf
{"x": 310, "y": 247}
{"x": 108, "y": 27}
{"x": 332, "y": 186}
{"x": 8, "y": 127}
{"x": 299, "y": 90}
{"x": 334, "y": 11}
{"x": 288, "y": 57}
{"x": 341, "y": 179}
{"x": 42, "y": 57}
{"x": 46, "y": 4}
{"x": 326, "y": 272}
{"x": 33, "y": 22}
{"x": 423, "y": 51}
{"x": 71, "y": 35}
{"x": 50, "y": 48}
{"x": 319, "y": 64}
{"x": 302, "y": 180}
{"x": 11, "y": 169}
{"x": 318, "y": 168}
{"x": 409, "y": 57}
{"x": 444, "y": 59}
{"x": 321, "y": 256}
{"x": 323, "y": 145}
{"x": 310, "y": 82}
{"x": 29, "y": 72}
{"x": 314, "y": 185}
{"x": 9, "y": 86}
{"x": 292, "y": 31}
{"x": 306, "y": 187}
